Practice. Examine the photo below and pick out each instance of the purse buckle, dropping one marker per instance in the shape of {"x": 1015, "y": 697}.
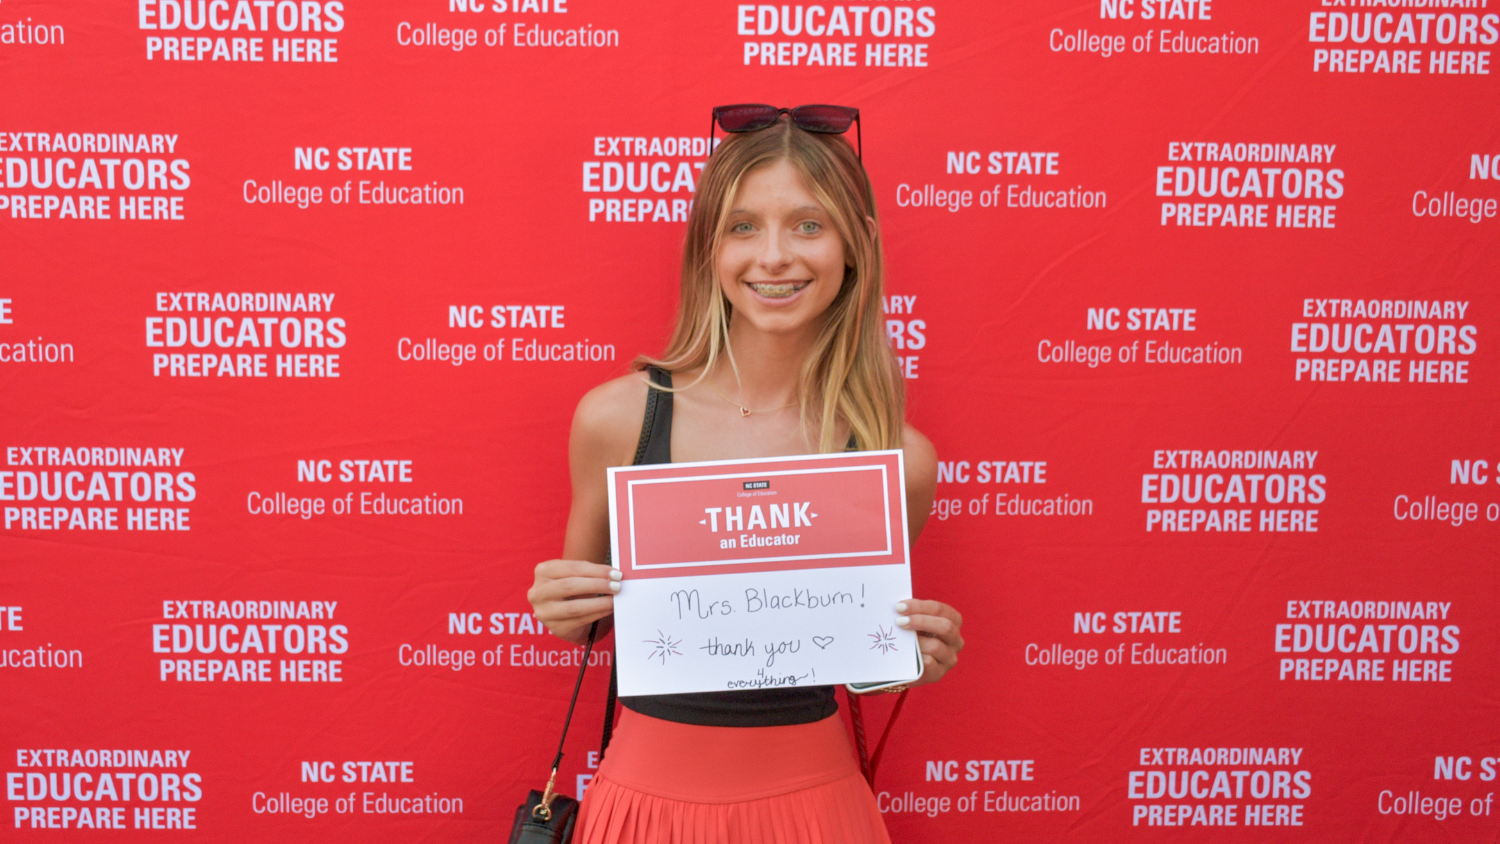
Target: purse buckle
{"x": 543, "y": 809}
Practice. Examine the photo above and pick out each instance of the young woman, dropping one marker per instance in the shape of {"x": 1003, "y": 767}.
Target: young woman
{"x": 779, "y": 349}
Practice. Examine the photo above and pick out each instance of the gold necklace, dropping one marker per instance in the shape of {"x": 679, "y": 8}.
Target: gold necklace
{"x": 745, "y": 411}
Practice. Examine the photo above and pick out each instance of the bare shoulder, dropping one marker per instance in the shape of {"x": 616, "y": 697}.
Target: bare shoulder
{"x": 920, "y": 457}
{"x": 608, "y": 420}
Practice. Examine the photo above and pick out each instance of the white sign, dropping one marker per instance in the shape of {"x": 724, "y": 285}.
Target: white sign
{"x": 768, "y": 573}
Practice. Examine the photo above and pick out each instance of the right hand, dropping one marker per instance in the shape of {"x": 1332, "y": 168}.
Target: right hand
{"x": 570, "y": 595}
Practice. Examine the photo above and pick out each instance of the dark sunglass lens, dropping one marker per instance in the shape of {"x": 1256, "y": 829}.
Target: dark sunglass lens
{"x": 830, "y": 119}
{"x": 745, "y": 118}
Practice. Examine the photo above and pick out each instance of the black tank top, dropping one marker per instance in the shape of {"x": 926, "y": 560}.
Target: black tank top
{"x": 748, "y": 708}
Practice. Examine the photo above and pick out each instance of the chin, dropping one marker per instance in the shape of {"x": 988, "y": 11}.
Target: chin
{"x": 779, "y": 322}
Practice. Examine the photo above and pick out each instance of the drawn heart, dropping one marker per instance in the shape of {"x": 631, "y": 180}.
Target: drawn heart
{"x": 822, "y": 641}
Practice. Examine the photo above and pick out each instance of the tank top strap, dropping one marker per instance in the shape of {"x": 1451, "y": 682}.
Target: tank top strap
{"x": 655, "y": 444}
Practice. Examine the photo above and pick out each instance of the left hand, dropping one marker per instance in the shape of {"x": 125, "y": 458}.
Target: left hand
{"x": 937, "y": 627}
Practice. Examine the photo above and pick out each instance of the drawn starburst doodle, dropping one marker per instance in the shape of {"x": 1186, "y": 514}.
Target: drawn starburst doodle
{"x": 663, "y": 645}
{"x": 885, "y": 640}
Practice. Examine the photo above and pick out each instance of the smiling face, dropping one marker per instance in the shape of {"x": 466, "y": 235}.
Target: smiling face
{"x": 780, "y": 260}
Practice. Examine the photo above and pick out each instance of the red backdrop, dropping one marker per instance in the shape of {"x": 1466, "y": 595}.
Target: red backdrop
{"x": 1194, "y": 298}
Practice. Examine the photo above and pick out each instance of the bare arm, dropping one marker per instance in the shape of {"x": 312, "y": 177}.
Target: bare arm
{"x": 920, "y": 460}
{"x": 570, "y": 593}
{"x": 937, "y": 624}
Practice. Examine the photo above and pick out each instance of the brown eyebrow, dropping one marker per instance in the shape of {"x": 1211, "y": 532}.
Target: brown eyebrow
{"x": 801, "y": 209}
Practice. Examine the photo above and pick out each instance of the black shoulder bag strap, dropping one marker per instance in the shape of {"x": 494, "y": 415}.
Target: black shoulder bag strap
{"x": 548, "y": 817}
{"x": 583, "y": 666}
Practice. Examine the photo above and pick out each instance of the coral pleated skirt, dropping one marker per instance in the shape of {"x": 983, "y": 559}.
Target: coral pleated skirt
{"x": 662, "y": 782}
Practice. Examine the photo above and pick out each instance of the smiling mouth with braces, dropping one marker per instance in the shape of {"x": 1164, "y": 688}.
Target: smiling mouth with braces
{"x": 778, "y": 290}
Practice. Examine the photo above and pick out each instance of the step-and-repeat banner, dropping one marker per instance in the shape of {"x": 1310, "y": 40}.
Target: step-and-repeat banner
{"x": 1196, "y": 298}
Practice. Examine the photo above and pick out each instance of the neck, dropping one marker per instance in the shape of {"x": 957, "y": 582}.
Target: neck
{"x": 769, "y": 366}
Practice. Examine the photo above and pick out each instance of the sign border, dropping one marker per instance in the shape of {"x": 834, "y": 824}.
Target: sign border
{"x": 885, "y": 491}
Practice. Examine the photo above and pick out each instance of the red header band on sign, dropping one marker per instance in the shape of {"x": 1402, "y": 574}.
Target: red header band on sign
{"x": 819, "y": 511}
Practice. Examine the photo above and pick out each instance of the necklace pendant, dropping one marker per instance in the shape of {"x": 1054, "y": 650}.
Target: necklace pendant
{"x": 745, "y": 411}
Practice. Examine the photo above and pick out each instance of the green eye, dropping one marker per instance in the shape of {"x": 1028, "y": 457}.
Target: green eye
{"x": 740, "y": 227}
{"x": 810, "y": 227}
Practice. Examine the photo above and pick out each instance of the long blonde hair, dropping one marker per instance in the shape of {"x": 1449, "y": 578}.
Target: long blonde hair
{"x": 851, "y": 374}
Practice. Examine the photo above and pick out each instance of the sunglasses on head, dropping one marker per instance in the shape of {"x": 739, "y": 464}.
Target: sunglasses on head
{"x": 823, "y": 119}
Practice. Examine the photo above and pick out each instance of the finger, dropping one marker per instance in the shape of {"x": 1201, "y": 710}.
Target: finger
{"x": 932, "y": 669}
{"x": 576, "y": 631}
{"x": 938, "y": 650}
{"x": 568, "y": 588}
{"x": 940, "y": 626}
{"x": 554, "y": 569}
{"x": 561, "y": 623}
{"x": 583, "y": 608}
{"x": 936, "y": 625}
{"x": 913, "y": 606}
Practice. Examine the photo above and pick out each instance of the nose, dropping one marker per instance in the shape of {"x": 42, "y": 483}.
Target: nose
{"x": 774, "y": 256}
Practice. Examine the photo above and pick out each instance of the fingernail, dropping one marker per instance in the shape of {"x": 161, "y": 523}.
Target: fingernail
{"x": 615, "y": 574}
{"x": 901, "y": 607}
{"x": 614, "y": 586}
{"x": 902, "y": 621}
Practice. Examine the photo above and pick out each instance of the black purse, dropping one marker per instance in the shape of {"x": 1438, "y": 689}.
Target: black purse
{"x": 548, "y": 817}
